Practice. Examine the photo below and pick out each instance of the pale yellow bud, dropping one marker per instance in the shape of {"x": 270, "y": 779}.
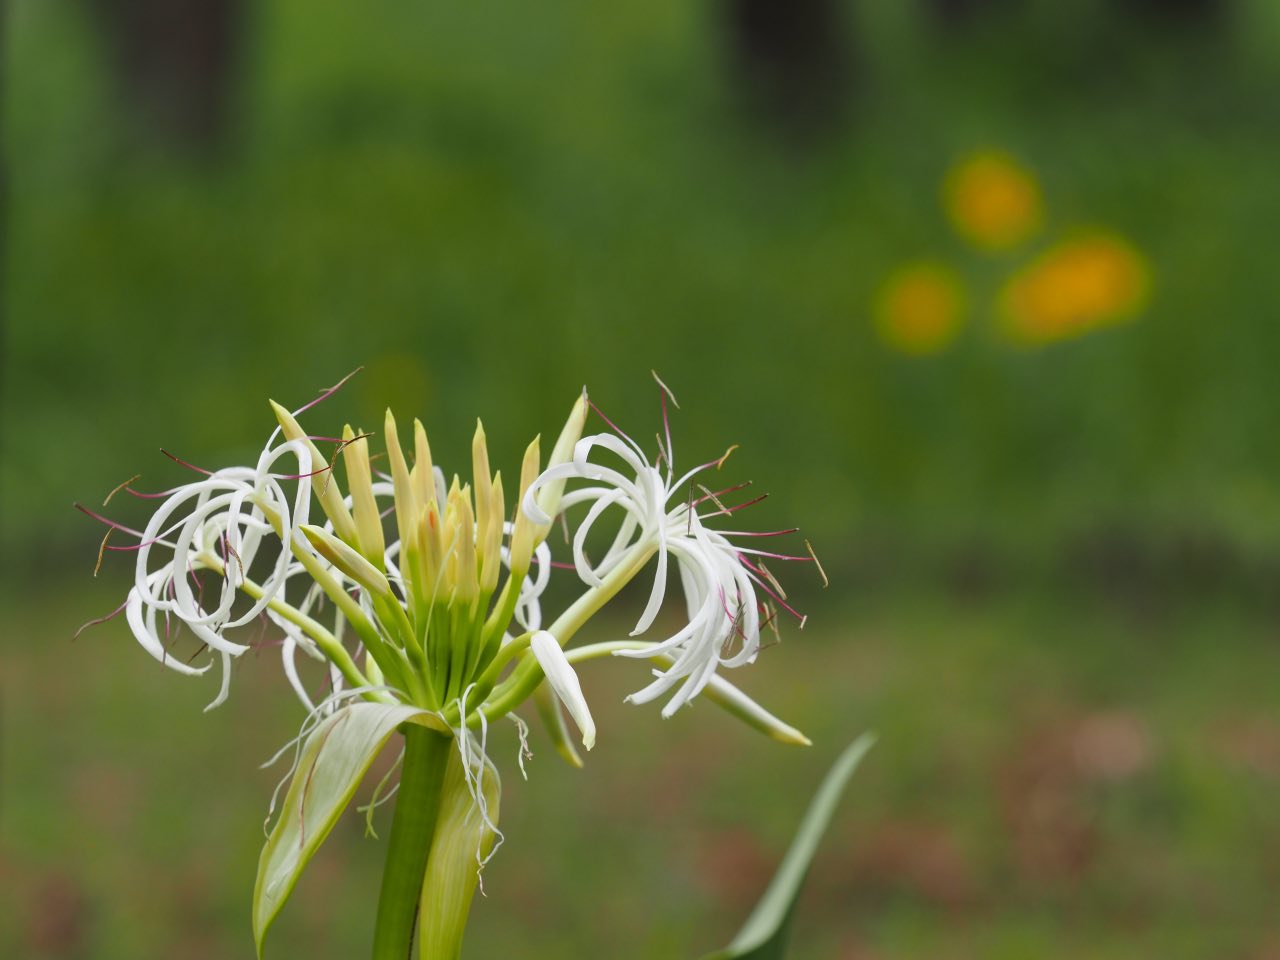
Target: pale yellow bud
{"x": 548, "y": 498}
{"x": 407, "y": 505}
{"x": 424, "y": 478}
{"x": 484, "y": 491}
{"x": 522, "y": 536}
{"x": 355, "y": 454}
{"x": 491, "y": 558}
{"x": 322, "y": 481}
{"x": 430, "y": 538}
{"x": 463, "y": 556}
{"x": 347, "y": 560}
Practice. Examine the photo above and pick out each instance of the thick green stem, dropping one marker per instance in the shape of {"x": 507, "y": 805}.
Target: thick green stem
{"x": 426, "y": 755}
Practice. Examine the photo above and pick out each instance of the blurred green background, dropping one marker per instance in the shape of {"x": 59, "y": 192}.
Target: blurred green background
{"x": 1053, "y": 564}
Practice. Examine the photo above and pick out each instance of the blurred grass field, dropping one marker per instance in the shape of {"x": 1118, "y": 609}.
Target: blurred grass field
{"x": 1051, "y": 781}
{"x": 1054, "y": 567}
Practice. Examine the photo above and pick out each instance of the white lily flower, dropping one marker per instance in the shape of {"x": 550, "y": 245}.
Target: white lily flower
{"x": 661, "y": 515}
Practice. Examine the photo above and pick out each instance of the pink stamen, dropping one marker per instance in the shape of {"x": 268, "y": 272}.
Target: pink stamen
{"x": 758, "y": 533}
{"x": 172, "y": 591}
{"x": 326, "y": 394}
{"x": 694, "y": 472}
{"x": 189, "y": 466}
{"x": 133, "y": 547}
{"x": 774, "y": 556}
{"x": 749, "y": 503}
{"x": 666, "y": 426}
{"x": 151, "y": 496}
{"x": 193, "y": 575}
{"x": 107, "y": 499}
{"x": 110, "y": 523}
{"x": 612, "y": 425}
{"x": 758, "y": 576}
{"x": 229, "y": 550}
{"x": 556, "y": 564}
{"x": 102, "y": 550}
{"x": 328, "y": 683}
{"x": 720, "y": 493}
{"x": 665, "y": 388}
{"x": 93, "y": 623}
{"x": 735, "y": 619}
{"x": 259, "y": 641}
{"x": 300, "y": 476}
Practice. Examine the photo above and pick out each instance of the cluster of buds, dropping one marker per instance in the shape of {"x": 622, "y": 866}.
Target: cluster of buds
{"x": 431, "y": 617}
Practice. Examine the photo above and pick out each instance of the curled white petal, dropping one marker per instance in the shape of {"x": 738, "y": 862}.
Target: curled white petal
{"x": 722, "y": 627}
{"x": 216, "y": 526}
{"x": 564, "y": 681}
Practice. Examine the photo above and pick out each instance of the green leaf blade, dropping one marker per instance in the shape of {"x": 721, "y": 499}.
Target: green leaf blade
{"x": 764, "y": 935}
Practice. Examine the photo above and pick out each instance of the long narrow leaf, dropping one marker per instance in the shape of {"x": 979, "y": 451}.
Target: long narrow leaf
{"x": 333, "y": 761}
{"x": 764, "y": 935}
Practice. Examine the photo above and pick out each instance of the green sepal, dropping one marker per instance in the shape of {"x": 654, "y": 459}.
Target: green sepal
{"x": 332, "y": 763}
{"x": 764, "y": 935}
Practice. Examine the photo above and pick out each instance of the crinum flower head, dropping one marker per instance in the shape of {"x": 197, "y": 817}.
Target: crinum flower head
{"x": 418, "y": 603}
{"x": 422, "y": 599}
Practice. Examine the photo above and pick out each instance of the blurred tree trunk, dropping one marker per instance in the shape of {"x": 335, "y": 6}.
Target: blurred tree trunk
{"x": 176, "y": 64}
{"x": 793, "y": 61}
{"x": 1175, "y": 12}
{"x": 958, "y": 12}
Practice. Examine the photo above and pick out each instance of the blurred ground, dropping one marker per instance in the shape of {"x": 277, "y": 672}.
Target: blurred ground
{"x": 1051, "y": 781}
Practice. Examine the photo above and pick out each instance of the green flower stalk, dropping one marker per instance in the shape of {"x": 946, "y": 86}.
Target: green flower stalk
{"x": 422, "y": 600}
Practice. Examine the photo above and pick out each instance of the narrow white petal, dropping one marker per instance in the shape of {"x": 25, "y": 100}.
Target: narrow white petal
{"x": 226, "y": 684}
{"x": 150, "y": 639}
{"x": 564, "y": 681}
{"x": 656, "y": 594}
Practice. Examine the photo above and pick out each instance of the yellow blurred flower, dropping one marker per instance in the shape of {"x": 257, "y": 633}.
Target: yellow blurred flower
{"x": 992, "y": 201}
{"x": 920, "y": 308}
{"x": 1079, "y": 285}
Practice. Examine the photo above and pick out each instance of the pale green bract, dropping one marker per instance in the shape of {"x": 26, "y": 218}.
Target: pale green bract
{"x": 333, "y": 761}
{"x": 764, "y": 935}
{"x": 463, "y": 840}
